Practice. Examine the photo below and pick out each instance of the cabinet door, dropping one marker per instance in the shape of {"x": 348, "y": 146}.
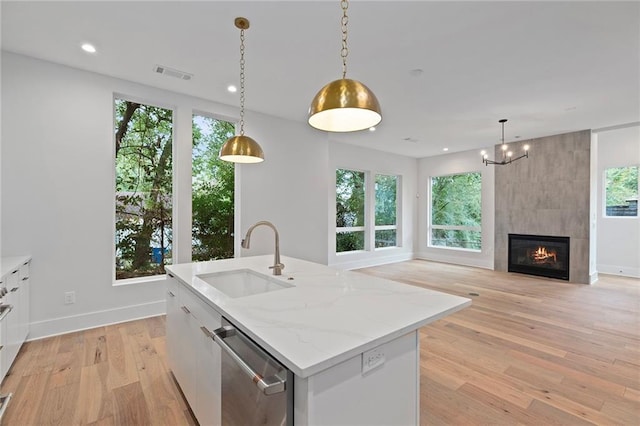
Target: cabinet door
{"x": 208, "y": 384}
{"x": 24, "y": 302}
{"x": 12, "y": 340}
{"x": 172, "y": 323}
{"x": 188, "y": 331}
{"x": 4, "y": 367}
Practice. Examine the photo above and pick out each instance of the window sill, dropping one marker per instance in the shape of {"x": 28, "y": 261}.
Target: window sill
{"x": 386, "y": 248}
{"x": 455, "y": 249}
{"x": 343, "y": 253}
{"x": 139, "y": 280}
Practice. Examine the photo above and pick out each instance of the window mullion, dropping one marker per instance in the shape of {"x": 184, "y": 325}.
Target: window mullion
{"x": 370, "y": 203}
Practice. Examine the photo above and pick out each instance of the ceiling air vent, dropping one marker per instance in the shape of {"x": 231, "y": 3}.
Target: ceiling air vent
{"x": 161, "y": 69}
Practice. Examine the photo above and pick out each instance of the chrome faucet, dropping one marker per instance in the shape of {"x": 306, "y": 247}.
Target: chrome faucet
{"x": 277, "y": 266}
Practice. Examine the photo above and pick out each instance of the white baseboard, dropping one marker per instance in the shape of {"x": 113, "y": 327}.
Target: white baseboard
{"x": 457, "y": 260}
{"x": 623, "y": 271}
{"x": 63, "y": 325}
{"x": 374, "y": 261}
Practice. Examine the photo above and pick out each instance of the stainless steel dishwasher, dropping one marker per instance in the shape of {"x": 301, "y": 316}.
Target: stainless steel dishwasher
{"x": 256, "y": 389}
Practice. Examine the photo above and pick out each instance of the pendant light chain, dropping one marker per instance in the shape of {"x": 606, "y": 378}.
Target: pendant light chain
{"x": 345, "y": 51}
{"x": 242, "y": 82}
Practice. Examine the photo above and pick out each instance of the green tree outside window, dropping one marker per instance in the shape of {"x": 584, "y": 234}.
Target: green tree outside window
{"x": 350, "y": 192}
{"x": 456, "y": 211}
{"x": 212, "y": 191}
{"x": 143, "y": 164}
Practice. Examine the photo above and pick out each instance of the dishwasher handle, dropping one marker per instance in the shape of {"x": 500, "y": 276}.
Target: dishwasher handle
{"x": 268, "y": 385}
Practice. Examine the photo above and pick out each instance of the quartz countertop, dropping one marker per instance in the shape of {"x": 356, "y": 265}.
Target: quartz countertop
{"x": 11, "y": 263}
{"x": 327, "y": 317}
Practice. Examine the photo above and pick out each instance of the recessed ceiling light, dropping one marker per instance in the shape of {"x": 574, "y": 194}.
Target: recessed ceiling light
{"x": 89, "y": 48}
{"x": 232, "y": 89}
{"x": 372, "y": 129}
{"x": 445, "y": 149}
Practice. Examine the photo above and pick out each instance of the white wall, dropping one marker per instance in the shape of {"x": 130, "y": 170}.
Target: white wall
{"x": 618, "y": 247}
{"x": 287, "y": 189}
{"x": 461, "y": 162}
{"x": 343, "y": 156}
{"x": 58, "y": 189}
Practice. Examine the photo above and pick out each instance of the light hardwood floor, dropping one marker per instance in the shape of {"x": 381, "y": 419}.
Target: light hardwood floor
{"x": 528, "y": 351}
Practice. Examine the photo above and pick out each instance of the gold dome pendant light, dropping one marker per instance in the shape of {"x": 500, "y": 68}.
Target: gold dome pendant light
{"x": 241, "y": 148}
{"x": 344, "y": 105}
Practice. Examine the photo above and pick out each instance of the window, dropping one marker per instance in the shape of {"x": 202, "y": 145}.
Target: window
{"x": 350, "y": 210}
{"x": 143, "y": 189}
{"x": 456, "y": 211}
{"x": 212, "y": 195}
{"x": 386, "y": 211}
{"x": 621, "y": 189}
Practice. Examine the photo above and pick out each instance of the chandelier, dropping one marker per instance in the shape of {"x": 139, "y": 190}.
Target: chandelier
{"x": 507, "y": 155}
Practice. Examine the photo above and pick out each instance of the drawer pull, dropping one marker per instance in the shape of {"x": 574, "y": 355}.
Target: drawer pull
{"x": 185, "y": 309}
{"x": 206, "y": 332}
{"x": 14, "y": 289}
{"x": 6, "y": 309}
{"x": 171, "y": 294}
{"x": 25, "y": 278}
{"x": 171, "y": 275}
{"x": 15, "y": 271}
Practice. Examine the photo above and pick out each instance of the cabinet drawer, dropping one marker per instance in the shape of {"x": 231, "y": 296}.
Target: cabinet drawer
{"x": 204, "y": 313}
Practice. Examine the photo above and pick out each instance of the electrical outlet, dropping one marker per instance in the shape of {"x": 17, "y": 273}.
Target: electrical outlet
{"x": 69, "y": 297}
{"x": 372, "y": 359}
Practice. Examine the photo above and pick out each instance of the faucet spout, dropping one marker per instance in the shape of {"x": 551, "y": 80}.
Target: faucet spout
{"x": 246, "y": 242}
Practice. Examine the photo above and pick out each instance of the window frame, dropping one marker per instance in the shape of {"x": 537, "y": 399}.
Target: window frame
{"x": 182, "y": 115}
{"x": 387, "y": 227}
{"x": 369, "y": 228}
{"x": 604, "y": 192}
{"x": 174, "y": 115}
{"x": 236, "y": 173}
{"x": 347, "y": 229}
{"x": 431, "y": 226}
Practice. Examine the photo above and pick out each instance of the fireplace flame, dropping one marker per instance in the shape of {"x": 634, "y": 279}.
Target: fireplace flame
{"x": 542, "y": 255}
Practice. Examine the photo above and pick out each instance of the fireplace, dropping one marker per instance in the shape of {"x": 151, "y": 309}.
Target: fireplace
{"x": 539, "y": 255}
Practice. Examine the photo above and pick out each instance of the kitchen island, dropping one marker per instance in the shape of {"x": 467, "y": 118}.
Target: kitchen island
{"x": 350, "y": 340}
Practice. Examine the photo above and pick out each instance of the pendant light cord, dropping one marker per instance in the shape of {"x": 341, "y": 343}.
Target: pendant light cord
{"x": 345, "y": 51}
{"x": 242, "y": 82}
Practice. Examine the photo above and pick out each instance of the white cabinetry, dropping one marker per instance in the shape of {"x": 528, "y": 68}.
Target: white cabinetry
{"x": 348, "y": 394}
{"x": 14, "y": 326}
{"x": 14, "y": 314}
{"x": 23, "y": 301}
{"x": 193, "y": 356}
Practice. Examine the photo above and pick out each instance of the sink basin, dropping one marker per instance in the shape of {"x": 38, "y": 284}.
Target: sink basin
{"x": 243, "y": 282}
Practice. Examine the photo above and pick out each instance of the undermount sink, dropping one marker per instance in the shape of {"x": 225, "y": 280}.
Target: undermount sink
{"x": 243, "y": 282}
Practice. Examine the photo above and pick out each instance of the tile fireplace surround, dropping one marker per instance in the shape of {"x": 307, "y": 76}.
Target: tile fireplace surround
{"x": 547, "y": 194}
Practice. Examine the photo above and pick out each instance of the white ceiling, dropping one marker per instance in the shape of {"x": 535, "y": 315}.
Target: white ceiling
{"x": 549, "y": 67}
